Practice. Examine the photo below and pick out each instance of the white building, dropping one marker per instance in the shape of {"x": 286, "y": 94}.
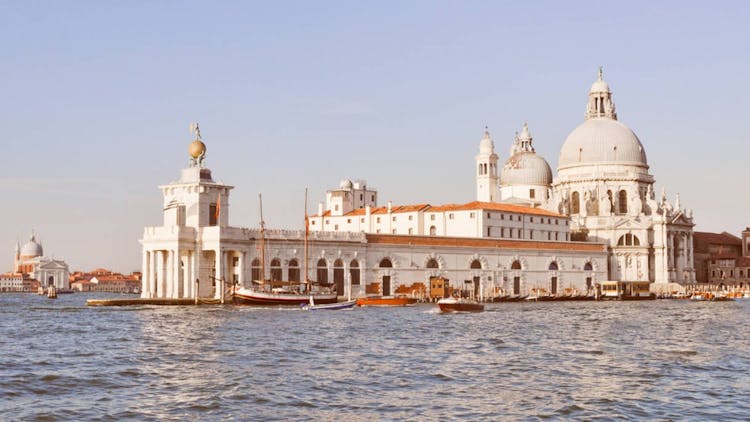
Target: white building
{"x": 495, "y": 247}
{"x": 29, "y": 261}
{"x": 603, "y": 183}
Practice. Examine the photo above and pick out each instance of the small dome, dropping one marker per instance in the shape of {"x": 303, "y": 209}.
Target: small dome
{"x": 599, "y": 86}
{"x": 196, "y": 148}
{"x": 345, "y": 184}
{"x": 526, "y": 168}
{"x": 602, "y": 141}
{"x": 32, "y": 249}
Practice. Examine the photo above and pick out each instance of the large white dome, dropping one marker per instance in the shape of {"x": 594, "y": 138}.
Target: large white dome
{"x": 526, "y": 168}
{"x": 32, "y": 248}
{"x": 602, "y": 141}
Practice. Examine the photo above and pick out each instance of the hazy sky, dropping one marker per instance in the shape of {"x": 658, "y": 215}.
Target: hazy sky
{"x": 97, "y": 98}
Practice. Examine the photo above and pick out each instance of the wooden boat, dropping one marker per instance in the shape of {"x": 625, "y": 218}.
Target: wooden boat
{"x": 385, "y": 301}
{"x": 284, "y": 293}
{"x": 453, "y": 304}
{"x": 312, "y": 306}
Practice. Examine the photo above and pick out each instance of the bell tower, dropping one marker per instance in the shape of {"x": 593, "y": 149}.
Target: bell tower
{"x": 488, "y": 189}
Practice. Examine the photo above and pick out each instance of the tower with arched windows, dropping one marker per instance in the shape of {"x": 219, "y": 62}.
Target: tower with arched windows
{"x": 488, "y": 188}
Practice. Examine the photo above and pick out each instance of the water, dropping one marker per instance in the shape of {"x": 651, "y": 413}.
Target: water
{"x": 580, "y": 360}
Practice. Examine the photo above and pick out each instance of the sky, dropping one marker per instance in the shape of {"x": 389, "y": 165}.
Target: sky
{"x": 97, "y": 98}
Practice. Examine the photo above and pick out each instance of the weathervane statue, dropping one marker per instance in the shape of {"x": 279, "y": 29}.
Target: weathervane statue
{"x": 197, "y": 148}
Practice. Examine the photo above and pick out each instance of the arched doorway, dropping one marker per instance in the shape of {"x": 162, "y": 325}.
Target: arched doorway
{"x": 589, "y": 281}
{"x": 275, "y": 269}
{"x": 51, "y": 281}
{"x": 354, "y": 272}
{"x": 553, "y": 278}
{"x": 255, "y": 270}
{"x": 516, "y": 267}
{"x": 322, "y": 272}
{"x": 386, "y": 263}
{"x": 475, "y": 265}
{"x": 294, "y": 270}
{"x": 338, "y": 276}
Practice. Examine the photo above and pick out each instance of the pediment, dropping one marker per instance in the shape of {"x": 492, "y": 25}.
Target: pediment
{"x": 53, "y": 265}
{"x": 629, "y": 223}
{"x": 680, "y": 219}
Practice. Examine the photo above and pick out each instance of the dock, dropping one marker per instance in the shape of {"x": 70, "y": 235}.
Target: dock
{"x": 159, "y": 302}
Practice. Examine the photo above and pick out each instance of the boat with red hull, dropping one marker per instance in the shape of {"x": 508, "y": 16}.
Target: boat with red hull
{"x": 385, "y": 301}
{"x": 454, "y": 304}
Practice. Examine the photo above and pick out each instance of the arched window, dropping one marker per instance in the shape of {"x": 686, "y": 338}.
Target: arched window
{"x": 588, "y": 267}
{"x": 432, "y": 263}
{"x": 338, "y": 275}
{"x": 553, "y": 266}
{"x": 322, "y": 271}
{"x": 611, "y": 202}
{"x": 476, "y": 265}
{"x": 293, "y": 270}
{"x": 386, "y": 263}
{"x": 623, "y": 202}
{"x": 628, "y": 240}
{"x": 433, "y": 230}
{"x": 516, "y": 265}
{"x": 479, "y": 170}
{"x": 275, "y": 269}
{"x": 575, "y": 203}
{"x": 255, "y": 270}
{"x": 354, "y": 272}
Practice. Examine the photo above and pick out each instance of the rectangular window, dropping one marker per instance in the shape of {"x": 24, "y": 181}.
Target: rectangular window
{"x": 372, "y": 198}
{"x": 328, "y": 222}
{"x": 532, "y": 193}
{"x": 212, "y": 215}
{"x": 489, "y": 231}
{"x": 556, "y": 234}
{"x": 557, "y": 221}
{"x": 489, "y": 215}
{"x": 362, "y": 220}
{"x": 335, "y": 227}
{"x": 450, "y": 216}
{"x": 502, "y": 231}
{"x": 502, "y": 216}
{"x": 432, "y": 216}
{"x": 313, "y": 222}
{"x": 531, "y": 234}
{"x": 411, "y": 217}
{"x": 393, "y": 231}
{"x": 411, "y": 231}
{"x": 377, "y": 220}
{"x": 520, "y": 234}
{"x": 361, "y": 197}
{"x": 471, "y": 215}
{"x": 531, "y": 219}
{"x": 394, "y": 218}
{"x": 348, "y": 220}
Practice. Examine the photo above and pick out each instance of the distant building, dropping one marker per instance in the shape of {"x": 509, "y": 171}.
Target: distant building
{"x": 103, "y": 280}
{"x": 30, "y": 263}
{"x": 723, "y": 259}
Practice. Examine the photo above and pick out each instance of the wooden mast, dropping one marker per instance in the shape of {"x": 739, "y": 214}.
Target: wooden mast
{"x": 307, "y": 224}
{"x": 262, "y": 242}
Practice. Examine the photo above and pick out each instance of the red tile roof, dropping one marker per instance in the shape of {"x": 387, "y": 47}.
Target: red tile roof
{"x": 702, "y": 240}
{"x": 475, "y": 205}
{"x": 483, "y": 243}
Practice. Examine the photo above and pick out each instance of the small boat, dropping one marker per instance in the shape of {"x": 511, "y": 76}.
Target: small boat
{"x": 311, "y": 306}
{"x": 385, "y": 301}
{"x": 454, "y": 304}
{"x": 51, "y": 292}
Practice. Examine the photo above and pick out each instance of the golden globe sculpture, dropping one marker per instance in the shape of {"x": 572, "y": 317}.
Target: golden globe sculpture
{"x": 197, "y": 149}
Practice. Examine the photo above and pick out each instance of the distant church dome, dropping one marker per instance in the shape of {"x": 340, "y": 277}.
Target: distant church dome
{"x": 601, "y": 138}
{"x": 32, "y": 249}
{"x": 524, "y": 167}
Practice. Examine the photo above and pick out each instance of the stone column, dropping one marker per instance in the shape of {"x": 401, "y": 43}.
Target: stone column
{"x": 159, "y": 274}
{"x": 347, "y": 281}
{"x": 177, "y": 291}
{"x": 219, "y": 264}
{"x": 241, "y": 269}
{"x": 169, "y": 272}
{"x": 144, "y": 275}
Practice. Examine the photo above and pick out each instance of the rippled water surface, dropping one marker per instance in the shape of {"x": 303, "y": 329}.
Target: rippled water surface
{"x": 625, "y": 360}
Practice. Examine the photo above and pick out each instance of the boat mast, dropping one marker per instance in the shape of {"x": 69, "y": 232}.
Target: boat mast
{"x": 262, "y": 242}
{"x": 307, "y": 224}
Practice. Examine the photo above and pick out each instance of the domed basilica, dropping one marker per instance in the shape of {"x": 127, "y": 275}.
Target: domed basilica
{"x": 603, "y": 183}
